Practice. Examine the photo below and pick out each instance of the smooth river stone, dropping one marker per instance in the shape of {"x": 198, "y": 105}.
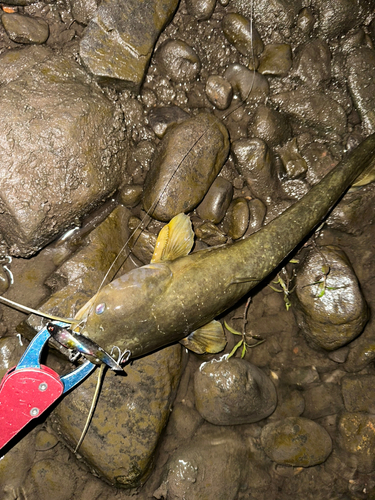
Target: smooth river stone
{"x": 119, "y": 40}
{"x": 232, "y": 392}
{"x": 25, "y": 29}
{"x": 296, "y": 441}
{"x": 190, "y": 157}
{"x": 213, "y": 465}
{"x": 216, "y": 202}
{"x": 356, "y": 439}
{"x": 329, "y": 306}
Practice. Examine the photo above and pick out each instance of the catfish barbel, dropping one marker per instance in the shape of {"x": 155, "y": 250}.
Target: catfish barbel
{"x": 176, "y": 297}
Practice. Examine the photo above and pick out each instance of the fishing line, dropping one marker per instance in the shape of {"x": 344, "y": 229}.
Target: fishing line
{"x": 157, "y": 200}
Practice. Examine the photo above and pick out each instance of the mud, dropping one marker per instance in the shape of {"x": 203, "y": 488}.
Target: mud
{"x": 302, "y": 112}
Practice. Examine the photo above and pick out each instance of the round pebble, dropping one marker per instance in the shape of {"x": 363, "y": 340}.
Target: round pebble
{"x": 276, "y": 59}
{"x": 216, "y": 202}
{"x": 254, "y": 161}
{"x": 25, "y": 29}
{"x": 239, "y": 32}
{"x": 232, "y": 392}
{"x": 163, "y": 117}
{"x": 330, "y": 308}
{"x": 313, "y": 62}
{"x": 201, "y": 9}
{"x": 219, "y": 91}
{"x": 189, "y": 159}
{"x": 257, "y": 211}
{"x": 130, "y": 195}
{"x": 210, "y": 234}
{"x": 178, "y": 61}
{"x": 356, "y": 438}
{"x": 305, "y": 20}
{"x": 45, "y": 441}
{"x": 296, "y": 441}
{"x": 248, "y": 84}
{"x": 270, "y": 125}
{"x": 236, "y": 220}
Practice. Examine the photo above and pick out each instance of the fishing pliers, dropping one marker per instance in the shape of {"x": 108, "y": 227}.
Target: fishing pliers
{"x": 30, "y": 388}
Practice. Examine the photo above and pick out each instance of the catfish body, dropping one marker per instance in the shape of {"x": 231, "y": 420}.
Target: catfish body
{"x": 161, "y": 303}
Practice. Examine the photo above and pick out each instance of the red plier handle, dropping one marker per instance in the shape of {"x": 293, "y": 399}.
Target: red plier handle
{"x": 29, "y": 388}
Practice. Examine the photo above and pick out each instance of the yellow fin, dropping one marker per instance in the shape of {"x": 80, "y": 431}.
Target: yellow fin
{"x": 209, "y": 338}
{"x": 174, "y": 240}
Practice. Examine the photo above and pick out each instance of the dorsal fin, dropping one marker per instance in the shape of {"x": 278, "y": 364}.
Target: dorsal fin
{"x": 174, "y": 240}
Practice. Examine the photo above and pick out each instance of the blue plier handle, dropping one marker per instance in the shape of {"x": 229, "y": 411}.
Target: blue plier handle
{"x": 29, "y": 388}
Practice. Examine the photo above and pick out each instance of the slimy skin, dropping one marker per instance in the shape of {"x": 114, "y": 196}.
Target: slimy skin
{"x": 161, "y": 303}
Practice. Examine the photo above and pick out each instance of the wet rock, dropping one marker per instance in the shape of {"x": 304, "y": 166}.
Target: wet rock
{"x": 296, "y": 441}
{"x": 257, "y": 211}
{"x": 294, "y": 189}
{"x": 26, "y": 58}
{"x": 236, "y": 220}
{"x": 319, "y": 161}
{"x": 289, "y": 404}
{"x": 140, "y": 159}
{"x": 280, "y": 14}
{"x": 45, "y": 441}
{"x": 250, "y": 85}
{"x": 190, "y": 157}
{"x": 330, "y": 308}
{"x": 322, "y": 400}
{"x": 276, "y": 59}
{"x": 312, "y": 63}
{"x": 162, "y": 118}
{"x": 44, "y": 481}
{"x": 15, "y": 466}
{"x": 219, "y": 91}
{"x": 11, "y": 350}
{"x": 25, "y": 29}
{"x": 360, "y": 66}
{"x": 253, "y": 159}
{"x": 359, "y": 393}
{"x": 356, "y": 438}
{"x": 362, "y": 350}
{"x": 210, "y": 466}
{"x": 129, "y": 418}
{"x": 210, "y": 234}
{"x": 314, "y": 109}
{"x": 131, "y": 194}
{"x": 177, "y": 60}
{"x": 354, "y": 213}
{"x": 201, "y": 9}
{"x": 83, "y": 10}
{"x": 119, "y": 40}
{"x": 295, "y": 165}
{"x": 239, "y": 32}
{"x": 232, "y": 392}
{"x": 216, "y": 202}
{"x": 184, "y": 422}
{"x": 62, "y": 112}
{"x": 301, "y": 376}
{"x": 336, "y": 17}
{"x": 142, "y": 242}
{"x": 270, "y": 125}
{"x": 305, "y": 21}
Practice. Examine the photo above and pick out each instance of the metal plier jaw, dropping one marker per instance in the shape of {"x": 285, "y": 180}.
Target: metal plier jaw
{"x": 29, "y": 388}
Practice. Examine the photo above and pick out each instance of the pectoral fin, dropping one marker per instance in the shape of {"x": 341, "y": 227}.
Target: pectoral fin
{"x": 174, "y": 240}
{"x": 209, "y": 338}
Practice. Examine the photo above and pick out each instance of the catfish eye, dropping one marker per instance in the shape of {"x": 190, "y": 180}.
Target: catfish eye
{"x": 100, "y": 308}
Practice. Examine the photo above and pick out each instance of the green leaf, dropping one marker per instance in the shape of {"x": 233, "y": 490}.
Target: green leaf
{"x": 231, "y": 330}
{"x": 243, "y": 350}
{"x": 232, "y": 352}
